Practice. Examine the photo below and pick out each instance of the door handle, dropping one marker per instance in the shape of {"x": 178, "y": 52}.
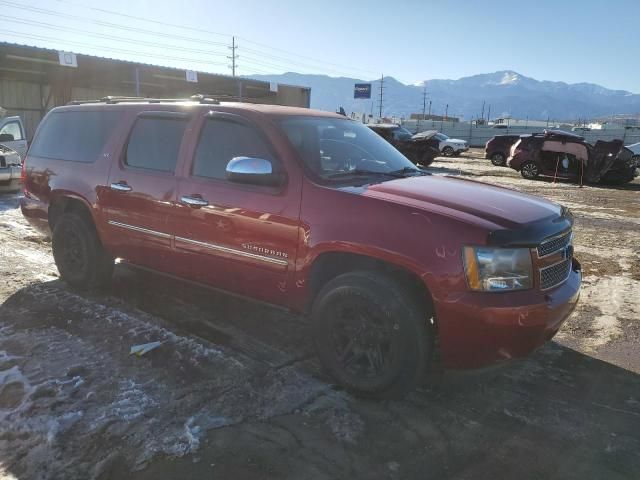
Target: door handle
{"x": 193, "y": 201}
{"x": 120, "y": 187}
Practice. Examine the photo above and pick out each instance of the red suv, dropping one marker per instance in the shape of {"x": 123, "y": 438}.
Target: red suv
{"x": 310, "y": 211}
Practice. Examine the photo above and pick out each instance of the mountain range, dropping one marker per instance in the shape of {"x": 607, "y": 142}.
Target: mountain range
{"x": 506, "y": 93}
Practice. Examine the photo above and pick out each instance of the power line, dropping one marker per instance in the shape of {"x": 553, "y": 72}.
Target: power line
{"x": 107, "y": 24}
{"x": 111, "y": 37}
{"x": 110, "y": 49}
{"x": 210, "y": 32}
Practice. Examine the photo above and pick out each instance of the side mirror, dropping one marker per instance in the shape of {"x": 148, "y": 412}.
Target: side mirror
{"x": 253, "y": 171}
{"x": 6, "y": 137}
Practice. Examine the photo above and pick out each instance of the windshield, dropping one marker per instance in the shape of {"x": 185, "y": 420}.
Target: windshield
{"x": 402, "y": 133}
{"x": 441, "y": 136}
{"x": 342, "y": 149}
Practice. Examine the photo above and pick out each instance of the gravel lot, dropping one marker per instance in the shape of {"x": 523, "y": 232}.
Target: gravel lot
{"x": 235, "y": 392}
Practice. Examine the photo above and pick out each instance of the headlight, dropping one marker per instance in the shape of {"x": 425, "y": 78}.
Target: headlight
{"x": 497, "y": 269}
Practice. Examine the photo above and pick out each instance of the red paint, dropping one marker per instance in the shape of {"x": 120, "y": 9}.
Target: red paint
{"x": 419, "y": 224}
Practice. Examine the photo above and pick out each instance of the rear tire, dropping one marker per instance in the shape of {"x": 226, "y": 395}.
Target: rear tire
{"x": 498, "y": 159}
{"x": 78, "y": 253}
{"x": 426, "y": 159}
{"x": 530, "y": 170}
{"x": 448, "y": 151}
{"x": 371, "y": 335}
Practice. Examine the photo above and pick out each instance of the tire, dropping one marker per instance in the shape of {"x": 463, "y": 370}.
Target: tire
{"x": 78, "y": 253}
{"x": 426, "y": 159}
{"x": 371, "y": 335}
{"x": 530, "y": 170}
{"x": 448, "y": 151}
{"x": 498, "y": 159}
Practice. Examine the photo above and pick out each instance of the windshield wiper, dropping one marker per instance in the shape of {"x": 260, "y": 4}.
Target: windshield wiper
{"x": 402, "y": 173}
{"x": 406, "y": 171}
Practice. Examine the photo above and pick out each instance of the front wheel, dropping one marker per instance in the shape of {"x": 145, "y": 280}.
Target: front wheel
{"x": 448, "y": 151}
{"x": 426, "y": 159}
{"x": 370, "y": 335}
{"x": 530, "y": 170}
{"x": 78, "y": 253}
{"x": 498, "y": 159}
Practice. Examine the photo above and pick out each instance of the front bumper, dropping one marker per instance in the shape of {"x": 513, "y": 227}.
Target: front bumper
{"x": 476, "y": 329}
{"x": 10, "y": 178}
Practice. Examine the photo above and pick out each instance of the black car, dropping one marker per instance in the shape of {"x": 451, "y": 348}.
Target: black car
{"x": 419, "y": 149}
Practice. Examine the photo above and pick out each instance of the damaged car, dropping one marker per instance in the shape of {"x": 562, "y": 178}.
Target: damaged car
{"x": 420, "y": 149}
{"x": 10, "y": 169}
{"x": 559, "y": 154}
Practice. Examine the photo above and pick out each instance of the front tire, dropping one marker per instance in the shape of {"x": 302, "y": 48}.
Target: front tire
{"x": 426, "y": 159}
{"x": 498, "y": 159}
{"x": 448, "y": 151}
{"x": 530, "y": 170}
{"x": 78, "y": 253}
{"x": 371, "y": 335}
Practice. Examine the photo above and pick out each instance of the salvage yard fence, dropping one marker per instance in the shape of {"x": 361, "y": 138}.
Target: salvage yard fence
{"x": 479, "y": 135}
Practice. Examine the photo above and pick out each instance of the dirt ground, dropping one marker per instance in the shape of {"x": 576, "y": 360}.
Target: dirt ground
{"x": 234, "y": 390}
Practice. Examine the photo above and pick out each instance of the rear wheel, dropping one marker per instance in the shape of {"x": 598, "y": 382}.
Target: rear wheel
{"x": 78, "y": 253}
{"x": 448, "y": 151}
{"x": 498, "y": 159}
{"x": 530, "y": 170}
{"x": 426, "y": 159}
{"x": 370, "y": 335}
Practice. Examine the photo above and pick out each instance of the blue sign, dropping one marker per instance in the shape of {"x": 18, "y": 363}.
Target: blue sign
{"x": 362, "y": 90}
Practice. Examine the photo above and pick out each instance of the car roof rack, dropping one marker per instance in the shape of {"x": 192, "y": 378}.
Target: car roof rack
{"x": 112, "y": 99}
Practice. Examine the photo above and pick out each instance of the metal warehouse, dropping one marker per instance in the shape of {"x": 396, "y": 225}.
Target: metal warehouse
{"x": 34, "y": 80}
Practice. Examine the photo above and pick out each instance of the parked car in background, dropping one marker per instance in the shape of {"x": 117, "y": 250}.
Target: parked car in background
{"x": 449, "y": 146}
{"x": 10, "y": 169}
{"x": 635, "y": 150}
{"x": 312, "y": 212}
{"x": 420, "y": 150}
{"x": 497, "y": 148}
{"x": 12, "y": 134}
{"x": 560, "y": 154}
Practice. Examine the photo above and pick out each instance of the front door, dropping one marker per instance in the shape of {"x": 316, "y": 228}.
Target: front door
{"x": 241, "y": 238}
{"x": 141, "y": 192}
{"x": 11, "y": 130}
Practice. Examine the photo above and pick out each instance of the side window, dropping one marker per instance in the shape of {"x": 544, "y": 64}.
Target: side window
{"x": 222, "y": 140}
{"x": 155, "y": 142}
{"x": 12, "y": 128}
{"x": 78, "y": 136}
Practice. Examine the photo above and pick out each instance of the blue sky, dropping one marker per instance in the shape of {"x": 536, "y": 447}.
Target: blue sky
{"x": 579, "y": 41}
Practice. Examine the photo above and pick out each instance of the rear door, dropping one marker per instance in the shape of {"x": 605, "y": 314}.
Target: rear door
{"x": 238, "y": 237}
{"x": 141, "y": 192}
{"x": 12, "y": 128}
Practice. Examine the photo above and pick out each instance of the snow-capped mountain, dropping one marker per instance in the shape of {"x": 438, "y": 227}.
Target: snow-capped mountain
{"x": 507, "y": 92}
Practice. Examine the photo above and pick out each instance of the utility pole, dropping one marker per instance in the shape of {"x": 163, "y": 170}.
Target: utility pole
{"x": 482, "y": 115}
{"x": 429, "y": 107}
{"x": 424, "y": 107}
{"x": 446, "y": 112}
{"x": 489, "y": 115}
{"x": 233, "y": 56}
{"x": 381, "y": 95}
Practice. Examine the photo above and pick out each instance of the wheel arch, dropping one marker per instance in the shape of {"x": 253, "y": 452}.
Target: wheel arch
{"x": 328, "y": 265}
{"x": 64, "y": 203}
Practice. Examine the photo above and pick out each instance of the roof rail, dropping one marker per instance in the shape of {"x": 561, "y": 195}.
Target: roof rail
{"x": 113, "y": 99}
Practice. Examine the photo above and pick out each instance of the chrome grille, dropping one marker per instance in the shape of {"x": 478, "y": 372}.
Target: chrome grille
{"x": 554, "y": 275}
{"x": 555, "y": 244}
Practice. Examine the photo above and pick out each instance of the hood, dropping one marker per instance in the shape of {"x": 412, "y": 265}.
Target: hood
{"x": 426, "y": 135}
{"x": 455, "y": 141}
{"x": 471, "y": 201}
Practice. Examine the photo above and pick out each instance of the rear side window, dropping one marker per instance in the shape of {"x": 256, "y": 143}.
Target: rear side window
{"x": 155, "y": 143}
{"x": 74, "y": 135}
{"x": 13, "y": 129}
{"x": 222, "y": 140}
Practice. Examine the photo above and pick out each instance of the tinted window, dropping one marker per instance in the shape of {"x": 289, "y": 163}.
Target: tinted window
{"x": 12, "y": 128}
{"x": 222, "y": 140}
{"x": 155, "y": 142}
{"x": 75, "y": 136}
